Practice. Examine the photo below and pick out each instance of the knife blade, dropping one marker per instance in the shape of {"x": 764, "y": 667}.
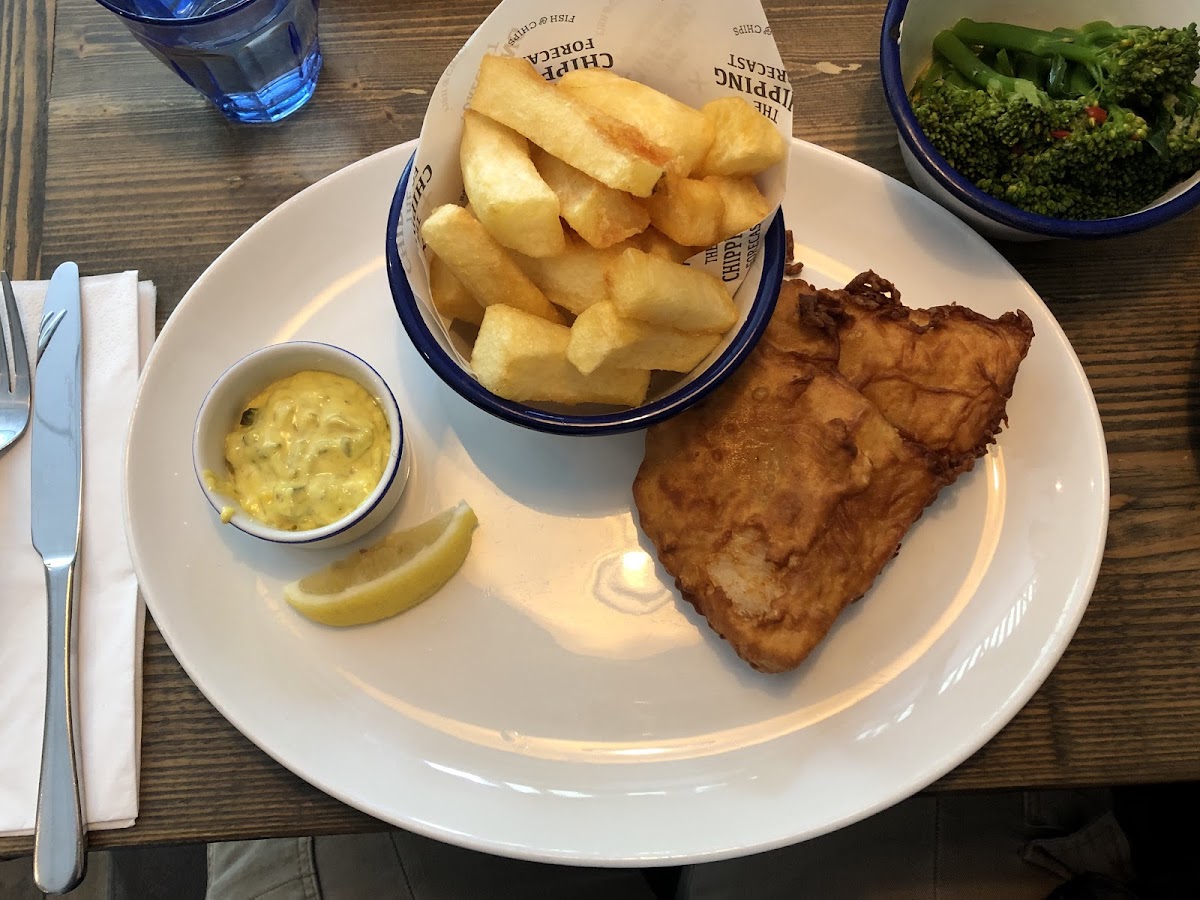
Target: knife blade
{"x": 59, "y": 857}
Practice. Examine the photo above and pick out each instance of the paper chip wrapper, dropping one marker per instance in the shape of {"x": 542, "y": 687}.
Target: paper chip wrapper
{"x": 692, "y": 50}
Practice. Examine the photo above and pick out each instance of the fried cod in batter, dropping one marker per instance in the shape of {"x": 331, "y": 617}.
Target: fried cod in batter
{"x": 942, "y": 376}
{"x": 777, "y": 501}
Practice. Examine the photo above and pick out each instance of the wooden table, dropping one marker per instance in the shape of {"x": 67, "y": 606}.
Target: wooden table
{"x": 110, "y": 160}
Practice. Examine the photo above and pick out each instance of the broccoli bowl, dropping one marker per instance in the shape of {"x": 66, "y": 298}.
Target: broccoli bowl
{"x": 1033, "y": 121}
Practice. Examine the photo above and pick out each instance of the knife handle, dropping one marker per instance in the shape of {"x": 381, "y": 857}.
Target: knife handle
{"x": 59, "y": 854}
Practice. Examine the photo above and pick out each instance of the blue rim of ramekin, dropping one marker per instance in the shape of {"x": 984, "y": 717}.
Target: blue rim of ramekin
{"x": 351, "y": 519}
{"x": 166, "y": 20}
{"x": 965, "y": 192}
{"x": 602, "y": 423}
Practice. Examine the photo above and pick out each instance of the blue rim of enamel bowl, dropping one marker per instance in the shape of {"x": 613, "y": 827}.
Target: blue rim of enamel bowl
{"x": 324, "y": 533}
{"x": 966, "y": 192}
{"x": 774, "y": 249}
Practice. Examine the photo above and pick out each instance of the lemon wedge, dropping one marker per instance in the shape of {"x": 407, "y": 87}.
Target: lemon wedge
{"x": 390, "y": 576}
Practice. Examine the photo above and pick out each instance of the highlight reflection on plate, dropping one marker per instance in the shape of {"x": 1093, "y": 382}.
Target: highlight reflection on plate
{"x": 557, "y": 700}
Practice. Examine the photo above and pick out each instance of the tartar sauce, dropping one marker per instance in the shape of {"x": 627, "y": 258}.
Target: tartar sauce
{"x": 307, "y": 451}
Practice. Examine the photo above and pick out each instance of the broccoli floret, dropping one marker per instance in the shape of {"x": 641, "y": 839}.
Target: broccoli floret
{"x": 1055, "y": 200}
{"x": 1016, "y": 111}
{"x": 1131, "y": 63}
{"x": 1177, "y": 130}
{"x": 1094, "y": 141}
{"x": 1116, "y": 188}
{"x": 959, "y": 119}
{"x": 1101, "y": 166}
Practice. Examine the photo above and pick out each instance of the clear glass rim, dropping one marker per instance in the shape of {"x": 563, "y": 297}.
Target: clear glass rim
{"x": 167, "y": 21}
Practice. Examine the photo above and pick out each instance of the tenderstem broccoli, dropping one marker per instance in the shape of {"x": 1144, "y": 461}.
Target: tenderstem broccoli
{"x": 1132, "y": 63}
{"x": 1045, "y": 131}
{"x": 1016, "y": 111}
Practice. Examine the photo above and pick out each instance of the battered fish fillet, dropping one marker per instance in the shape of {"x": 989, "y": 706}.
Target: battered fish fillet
{"x": 942, "y": 376}
{"x": 778, "y": 500}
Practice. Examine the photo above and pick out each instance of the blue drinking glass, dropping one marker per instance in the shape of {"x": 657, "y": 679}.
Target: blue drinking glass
{"x": 257, "y": 60}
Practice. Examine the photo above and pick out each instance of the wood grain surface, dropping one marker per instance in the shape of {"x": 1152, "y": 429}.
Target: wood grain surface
{"x": 26, "y": 39}
{"x": 120, "y": 164}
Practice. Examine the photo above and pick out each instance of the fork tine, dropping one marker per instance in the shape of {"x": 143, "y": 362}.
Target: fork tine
{"x": 20, "y": 356}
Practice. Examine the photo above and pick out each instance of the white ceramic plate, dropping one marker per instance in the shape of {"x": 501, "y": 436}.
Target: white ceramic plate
{"x": 556, "y": 700}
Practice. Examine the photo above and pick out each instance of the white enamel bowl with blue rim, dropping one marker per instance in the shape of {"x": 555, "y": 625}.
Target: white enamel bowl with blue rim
{"x": 238, "y": 384}
{"x": 909, "y": 27}
{"x": 419, "y": 321}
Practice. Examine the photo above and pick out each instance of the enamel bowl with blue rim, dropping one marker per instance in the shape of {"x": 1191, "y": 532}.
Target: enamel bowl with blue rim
{"x": 909, "y": 28}
{"x": 668, "y": 396}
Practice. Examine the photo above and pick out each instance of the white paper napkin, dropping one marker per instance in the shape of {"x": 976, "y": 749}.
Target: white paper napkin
{"x": 118, "y": 328}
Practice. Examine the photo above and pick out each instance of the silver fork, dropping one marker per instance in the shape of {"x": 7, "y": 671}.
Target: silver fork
{"x": 14, "y": 379}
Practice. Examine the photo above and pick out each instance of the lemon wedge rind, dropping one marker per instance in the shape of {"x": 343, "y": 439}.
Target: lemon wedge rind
{"x": 388, "y": 577}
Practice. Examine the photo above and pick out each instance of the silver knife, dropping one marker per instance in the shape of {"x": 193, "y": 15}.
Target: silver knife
{"x": 59, "y": 855}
